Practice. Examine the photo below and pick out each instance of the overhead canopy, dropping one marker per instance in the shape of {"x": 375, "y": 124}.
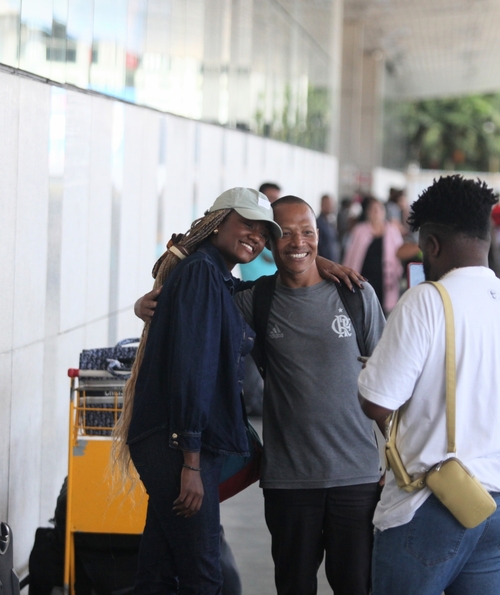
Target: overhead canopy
{"x": 436, "y": 47}
{"x": 432, "y": 48}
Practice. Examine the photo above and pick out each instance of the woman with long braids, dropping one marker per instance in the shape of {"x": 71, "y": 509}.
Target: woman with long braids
{"x": 182, "y": 406}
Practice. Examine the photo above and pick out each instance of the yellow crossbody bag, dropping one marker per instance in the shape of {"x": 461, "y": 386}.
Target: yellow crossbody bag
{"x": 450, "y": 480}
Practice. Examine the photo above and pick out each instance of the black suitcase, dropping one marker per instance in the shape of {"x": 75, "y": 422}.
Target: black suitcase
{"x": 105, "y": 563}
{"x": 9, "y": 581}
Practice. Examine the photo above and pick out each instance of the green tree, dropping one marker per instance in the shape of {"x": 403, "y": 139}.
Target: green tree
{"x": 461, "y": 133}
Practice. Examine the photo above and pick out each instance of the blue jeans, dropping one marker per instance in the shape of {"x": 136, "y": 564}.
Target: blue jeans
{"x": 435, "y": 553}
{"x": 177, "y": 556}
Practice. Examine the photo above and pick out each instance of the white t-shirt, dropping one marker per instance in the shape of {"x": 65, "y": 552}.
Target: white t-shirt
{"x": 408, "y": 366}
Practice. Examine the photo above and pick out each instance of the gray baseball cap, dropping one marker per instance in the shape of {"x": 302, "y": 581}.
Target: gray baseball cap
{"x": 248, "y": 203}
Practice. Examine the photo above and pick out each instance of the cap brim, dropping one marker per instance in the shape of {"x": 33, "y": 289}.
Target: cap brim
{"x": 256, "y": 215}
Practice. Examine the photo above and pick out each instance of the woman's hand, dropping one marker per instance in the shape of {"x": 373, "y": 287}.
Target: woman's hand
{"x": 144, "y": 307}
{"x": 331, "y": 271}
{"x": 191, "y": 496}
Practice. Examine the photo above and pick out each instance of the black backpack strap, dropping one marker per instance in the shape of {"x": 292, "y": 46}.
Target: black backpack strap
{"x": 355, "y": 308}
{"x": 263, "y": 293}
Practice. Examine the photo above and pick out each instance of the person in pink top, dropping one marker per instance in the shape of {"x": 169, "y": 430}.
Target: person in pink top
{"x": 372, "y": 249}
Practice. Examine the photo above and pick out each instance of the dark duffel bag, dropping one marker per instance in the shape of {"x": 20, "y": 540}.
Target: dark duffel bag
{"x": 46, "y": 563}
{"x": 116, "y": 360}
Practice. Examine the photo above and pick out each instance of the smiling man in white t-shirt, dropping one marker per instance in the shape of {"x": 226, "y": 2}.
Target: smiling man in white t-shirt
{"x": 420, "y": 548}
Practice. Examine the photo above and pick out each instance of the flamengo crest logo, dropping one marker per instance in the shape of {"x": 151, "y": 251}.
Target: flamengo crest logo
{"x": 341, "y": 325}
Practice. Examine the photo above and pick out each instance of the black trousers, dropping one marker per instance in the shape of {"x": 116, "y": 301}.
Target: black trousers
{"x": 307, "y": 524}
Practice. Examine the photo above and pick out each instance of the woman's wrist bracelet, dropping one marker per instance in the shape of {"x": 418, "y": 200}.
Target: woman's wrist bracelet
{"x": 192, "y": 468}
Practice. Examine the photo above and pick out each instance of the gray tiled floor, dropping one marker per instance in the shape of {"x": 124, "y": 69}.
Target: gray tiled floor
{"x": 247, "y": 534}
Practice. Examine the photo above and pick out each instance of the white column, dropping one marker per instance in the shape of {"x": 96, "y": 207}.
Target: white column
{"x": 361, "y": 110}
{"x": 350, "y": 104}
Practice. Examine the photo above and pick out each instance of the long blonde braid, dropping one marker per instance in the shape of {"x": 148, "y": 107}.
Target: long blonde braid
{"x": 186, "y": 244}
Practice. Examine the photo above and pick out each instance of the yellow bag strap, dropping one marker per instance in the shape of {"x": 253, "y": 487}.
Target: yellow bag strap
{"x": 403, "y": 480}
{"x": 451, "y": 375}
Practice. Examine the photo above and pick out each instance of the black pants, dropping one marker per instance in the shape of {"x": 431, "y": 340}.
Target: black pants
{"x": 305, "y": 524}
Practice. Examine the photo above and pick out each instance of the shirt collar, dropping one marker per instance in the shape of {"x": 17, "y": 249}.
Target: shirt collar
{"x": 211, "y": 251}
{"x": 475, "y": 271}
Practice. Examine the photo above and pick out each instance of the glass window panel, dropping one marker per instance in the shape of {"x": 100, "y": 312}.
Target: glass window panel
{"x": 246, "y": 64}
{"x": 317, "y": 131}
{"x": 280, "y": 74}
{"x": 10, "y": 32}
{"x": 79, "y": 42}
{"x": 36, "y": 35}
{"x": 107, "y": 71}
{"x": 290, "y": 89}
{"x": 262, "y": 77}
{"x": 240, "y": 66}
{"x": 154, "y": 70}
{"x": 186, "y": 54}
{"x": 214, "y": 63}
{"x": 59, "y": 51}
{"x": 135, "y": 45}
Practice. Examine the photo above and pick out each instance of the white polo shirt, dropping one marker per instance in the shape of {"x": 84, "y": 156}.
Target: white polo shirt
{"x": 408, "y": 366}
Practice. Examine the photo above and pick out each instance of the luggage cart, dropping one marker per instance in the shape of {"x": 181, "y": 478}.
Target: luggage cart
{"x": 95, "y": 405}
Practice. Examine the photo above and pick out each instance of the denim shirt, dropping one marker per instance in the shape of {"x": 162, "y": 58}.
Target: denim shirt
{"x": 191, "y": 377}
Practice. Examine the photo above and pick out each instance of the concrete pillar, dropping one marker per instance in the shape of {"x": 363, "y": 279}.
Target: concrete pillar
{"x": 336, "y": 50}
{"x": 350, "y": 105}
{"x": 370, "y": 149}
{"x": 360, "y": 111}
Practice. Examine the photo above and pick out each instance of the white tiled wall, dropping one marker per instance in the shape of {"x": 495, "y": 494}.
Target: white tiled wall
{"x": 90, "y": 190}
{"x": 75, "y": 207}
{"x": 130, "y": 209}
{"x": 31, "y": 213}
{"x": 149, "y": 197}
{"x": 234, "y": 167}
{"x": 210, "y": 154}
{"x": 9, "y": 118}
{"x": 27, "y": 400}
{"x": 177, "y": 198}
{"x": 60, "y": 353}
{"x": 96, "y": 280}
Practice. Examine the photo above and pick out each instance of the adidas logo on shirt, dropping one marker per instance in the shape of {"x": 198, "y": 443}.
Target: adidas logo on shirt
{"x": 275, "y": 332}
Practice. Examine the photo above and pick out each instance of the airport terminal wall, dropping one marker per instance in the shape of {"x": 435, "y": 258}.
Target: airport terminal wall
{"x": 91, "y": 188}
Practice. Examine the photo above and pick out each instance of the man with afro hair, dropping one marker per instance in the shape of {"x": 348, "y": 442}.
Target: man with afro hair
{"x": 420, "y": 548}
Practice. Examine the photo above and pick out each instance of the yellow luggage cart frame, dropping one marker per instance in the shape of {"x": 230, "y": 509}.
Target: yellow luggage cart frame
{"x": 95, "y": 405}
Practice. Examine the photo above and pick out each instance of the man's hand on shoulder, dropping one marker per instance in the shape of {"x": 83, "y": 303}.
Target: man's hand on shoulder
{"x": 332, "y": 271}
{"x": 144, "y": 307}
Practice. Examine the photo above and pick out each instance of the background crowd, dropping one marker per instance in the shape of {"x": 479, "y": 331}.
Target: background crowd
{"x": 373, "y": 237}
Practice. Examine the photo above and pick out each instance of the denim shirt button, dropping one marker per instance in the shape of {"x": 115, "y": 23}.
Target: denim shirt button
{"x": 175, "y": 443}
{"x": 174, "y": 436}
